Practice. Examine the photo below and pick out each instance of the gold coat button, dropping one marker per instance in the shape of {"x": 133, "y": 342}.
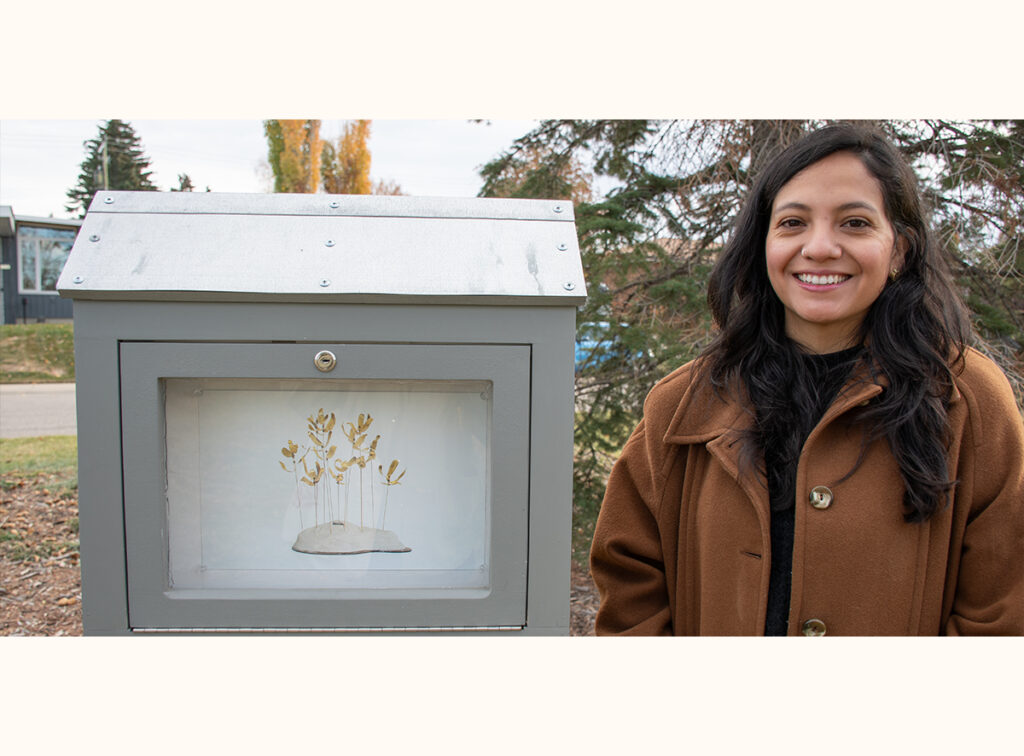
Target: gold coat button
{"x": 821, "y": 497}
{"x": 814, "y": 627}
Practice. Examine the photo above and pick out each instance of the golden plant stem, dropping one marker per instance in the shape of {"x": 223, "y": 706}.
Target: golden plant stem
{"x": 298, "y": 496}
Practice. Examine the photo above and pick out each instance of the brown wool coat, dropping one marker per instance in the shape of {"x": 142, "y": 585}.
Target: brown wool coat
{"x": 682, "y": 541}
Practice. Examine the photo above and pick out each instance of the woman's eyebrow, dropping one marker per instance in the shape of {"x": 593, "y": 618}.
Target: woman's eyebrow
{"x": 858, "y": 205}
{"x": 855, "y": 205}
{"x": 791, "y": 206}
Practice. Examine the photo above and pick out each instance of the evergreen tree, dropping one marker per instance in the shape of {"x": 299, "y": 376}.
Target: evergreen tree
{"x": 649, "y": 243}
{"x": 114, "y": 160}
{"x": 185, "y": 184}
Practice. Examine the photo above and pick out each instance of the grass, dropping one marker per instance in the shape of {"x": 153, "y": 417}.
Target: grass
{"x": 29, "y": 457}
{"x": 21, "y": 552}
{"x": 48, "y": 466}
{"x": 37, "y": 353}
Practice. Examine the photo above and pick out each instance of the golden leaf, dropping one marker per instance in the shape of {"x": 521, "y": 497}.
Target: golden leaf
{"x": 392, "y": 467}
{"x": 282, "y": 465}
{"x": 315, "y": 439}
{"x": 400, "y": 476}
{"x": 330, "y": 452}
{"x": 330, "y": 423}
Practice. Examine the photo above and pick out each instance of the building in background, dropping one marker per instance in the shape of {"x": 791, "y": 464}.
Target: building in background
{"x": 32, "y": 253}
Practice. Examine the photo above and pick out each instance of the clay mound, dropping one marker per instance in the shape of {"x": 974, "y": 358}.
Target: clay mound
{"x": 346, "y": 538}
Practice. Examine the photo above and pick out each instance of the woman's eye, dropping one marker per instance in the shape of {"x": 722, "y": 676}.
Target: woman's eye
{"x": 790, "y": 223}
{"x": 857, "y": 223}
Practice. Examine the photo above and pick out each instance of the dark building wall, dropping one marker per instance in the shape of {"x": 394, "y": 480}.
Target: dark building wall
{"x": 8, "y": 256}
{"x": 21, "y": 307}
{"x": 34, "y": 308}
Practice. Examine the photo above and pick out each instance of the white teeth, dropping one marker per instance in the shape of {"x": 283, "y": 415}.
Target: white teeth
{"x": 821, "y": 280}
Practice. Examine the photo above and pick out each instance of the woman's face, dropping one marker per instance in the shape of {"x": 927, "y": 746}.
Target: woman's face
{"x": 829, "y": 250}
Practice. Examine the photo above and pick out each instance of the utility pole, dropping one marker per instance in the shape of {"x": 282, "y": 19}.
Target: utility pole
{"x": 106, "y": 177}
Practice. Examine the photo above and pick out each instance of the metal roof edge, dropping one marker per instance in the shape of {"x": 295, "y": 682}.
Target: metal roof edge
{"x": 122, "y": 295}
{"x": 328, "y": 205}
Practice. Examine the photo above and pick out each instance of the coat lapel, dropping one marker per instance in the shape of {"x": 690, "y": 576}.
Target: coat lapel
{"x": 718, "y": 421}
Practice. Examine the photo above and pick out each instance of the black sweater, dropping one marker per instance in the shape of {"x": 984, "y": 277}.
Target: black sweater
{"x": 827, "y": 374}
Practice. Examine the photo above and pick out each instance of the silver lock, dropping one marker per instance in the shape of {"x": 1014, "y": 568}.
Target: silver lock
{"x": 325, "y": 361}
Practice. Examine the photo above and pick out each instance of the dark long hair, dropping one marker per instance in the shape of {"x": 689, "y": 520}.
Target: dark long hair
{"x": 913, "y": 334}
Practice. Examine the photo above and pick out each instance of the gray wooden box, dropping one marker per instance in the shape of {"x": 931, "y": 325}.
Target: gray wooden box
{"x": 200, "y": 320}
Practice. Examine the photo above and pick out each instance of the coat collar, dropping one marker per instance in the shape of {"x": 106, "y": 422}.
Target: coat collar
{"x": 703, "y": 414}
{"x": 719, "y": 420}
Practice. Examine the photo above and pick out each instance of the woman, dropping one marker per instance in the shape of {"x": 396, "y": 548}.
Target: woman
{"x": 837, "y": 461}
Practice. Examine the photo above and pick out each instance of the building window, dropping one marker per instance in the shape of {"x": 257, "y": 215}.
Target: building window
{"x": 42, "y": 253}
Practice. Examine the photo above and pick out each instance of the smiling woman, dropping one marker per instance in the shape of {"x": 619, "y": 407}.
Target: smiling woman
{"x": 829, "y": 249}
{"x": 838, "y": 460}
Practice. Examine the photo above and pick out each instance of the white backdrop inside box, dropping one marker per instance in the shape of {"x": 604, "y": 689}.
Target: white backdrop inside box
{"x": 328, "y": 484}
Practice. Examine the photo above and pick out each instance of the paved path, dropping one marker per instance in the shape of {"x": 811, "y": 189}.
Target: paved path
{"x": 37, "y": 409}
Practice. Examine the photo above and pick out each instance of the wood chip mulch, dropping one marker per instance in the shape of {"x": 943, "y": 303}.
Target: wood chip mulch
{"x": 40, "y": 578}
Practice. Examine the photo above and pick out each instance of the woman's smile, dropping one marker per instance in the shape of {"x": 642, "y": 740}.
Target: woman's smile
{"x": 815, "y": 281}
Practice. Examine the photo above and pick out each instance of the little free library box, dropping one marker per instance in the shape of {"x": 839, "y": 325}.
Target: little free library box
{"x": 324, "y": 413}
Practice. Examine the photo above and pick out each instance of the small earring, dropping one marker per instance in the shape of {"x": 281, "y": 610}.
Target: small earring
{"x": 893, "y": 273}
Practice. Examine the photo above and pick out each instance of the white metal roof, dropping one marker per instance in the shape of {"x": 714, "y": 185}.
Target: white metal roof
{"x": 320, "y": 247}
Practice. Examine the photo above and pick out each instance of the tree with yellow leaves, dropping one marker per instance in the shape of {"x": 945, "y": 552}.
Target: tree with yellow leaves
{"x": 294, "y": 150}
{"x": 303, "y": 162}
{"x": 345, "y": 167}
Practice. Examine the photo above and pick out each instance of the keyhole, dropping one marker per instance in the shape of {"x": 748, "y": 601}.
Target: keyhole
{"x": 325, "y": 361}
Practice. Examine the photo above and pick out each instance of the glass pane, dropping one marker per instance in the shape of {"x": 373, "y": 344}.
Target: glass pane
{"x": 44, "y": 251}
{"x": 52, "y": 256}
{"x": 27, "y": 263}
{"x": 327, "y": 484}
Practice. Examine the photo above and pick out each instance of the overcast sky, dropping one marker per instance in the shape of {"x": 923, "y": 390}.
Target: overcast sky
{"x": 40, "y": 159}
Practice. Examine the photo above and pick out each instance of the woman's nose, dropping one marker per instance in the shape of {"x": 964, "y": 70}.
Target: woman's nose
{"x": 822, "y": 245}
